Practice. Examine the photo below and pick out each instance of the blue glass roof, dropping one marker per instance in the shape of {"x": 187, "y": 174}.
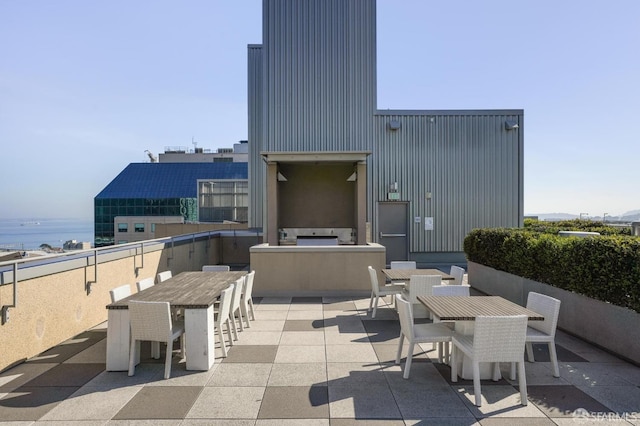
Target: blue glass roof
{"x": 168, "y": 180}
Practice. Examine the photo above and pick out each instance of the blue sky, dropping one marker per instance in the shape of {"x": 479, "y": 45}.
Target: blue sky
{"x": 87, "y": 87}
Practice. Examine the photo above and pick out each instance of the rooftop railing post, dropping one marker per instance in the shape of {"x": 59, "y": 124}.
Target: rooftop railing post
{"x": 5, "y": 308}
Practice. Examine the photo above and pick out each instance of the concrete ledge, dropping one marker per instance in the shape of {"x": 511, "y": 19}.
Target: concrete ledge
{"x": 314, "y": 270}
{"x": 608, "y": 326}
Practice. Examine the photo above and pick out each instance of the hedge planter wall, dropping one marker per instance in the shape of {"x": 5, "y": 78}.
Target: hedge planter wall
{"x": 611, "y": 327}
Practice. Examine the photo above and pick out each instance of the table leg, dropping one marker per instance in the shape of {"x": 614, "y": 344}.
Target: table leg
{"x": 465, "y": 366}
{"x": 118, "y": 340}
{"x": 199, "y": 338}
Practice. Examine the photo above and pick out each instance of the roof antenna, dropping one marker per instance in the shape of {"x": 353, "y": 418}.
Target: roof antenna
{"x": 151, "y": 156}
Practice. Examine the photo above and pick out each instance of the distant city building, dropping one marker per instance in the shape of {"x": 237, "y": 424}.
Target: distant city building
{"x": 179, "y": 154}
{"x": 186, "y": 186}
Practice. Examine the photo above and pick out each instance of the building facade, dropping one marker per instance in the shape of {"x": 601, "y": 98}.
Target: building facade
{"x": 431, "y": 175}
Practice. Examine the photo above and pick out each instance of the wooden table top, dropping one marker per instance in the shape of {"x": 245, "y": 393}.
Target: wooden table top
{"x": 467, "y": 308}
{"x": 190, "y": 290}
{"x": 405, "y": 274}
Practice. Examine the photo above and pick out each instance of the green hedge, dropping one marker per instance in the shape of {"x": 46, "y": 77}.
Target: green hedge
{"x": 606, "y": 268}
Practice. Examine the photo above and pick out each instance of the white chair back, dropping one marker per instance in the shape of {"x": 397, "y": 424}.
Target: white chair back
{"x": 248, "y": 285}
{"x": 237, "y": 293}
{"x": 450, "y": 290}
{"x": 163, "y": 276}
{"x": 500, "y": 338}
{"x": 226, "y": 296}
{"x": 547, "y": 306}
{"x": 405, "y": 314}
{"x": 373, "y": 275}
{"x": 402, "y": 264}
{"x": 150, "y": 321}
{"x": 144, "y": 283}
{"x": 215, "y": 268}
{"x": 457, "y": 273}
{"x": 421, "y": 285}
{"x": 120, "y": 292}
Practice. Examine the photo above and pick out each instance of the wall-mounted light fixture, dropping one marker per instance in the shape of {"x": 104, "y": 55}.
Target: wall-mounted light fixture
{"x": 394, "y": 124}
{"x": 511, "y": 125}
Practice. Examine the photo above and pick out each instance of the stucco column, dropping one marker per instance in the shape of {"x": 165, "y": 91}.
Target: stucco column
{"x": 271, "y": 233}
{"x": 361, "y": 203}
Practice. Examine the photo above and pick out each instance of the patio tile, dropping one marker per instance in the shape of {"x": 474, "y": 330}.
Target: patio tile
{"x": 293, "y": 402}
{"x": 498, "y": 401}
{"x": 382, "y": 326}
{"x": 227, "y": 403}
{"x": 256, "y": 338}
{"x": 284, "y": 300}
{"x": 445, "y": 372}
{"x": 306, "y": 314}
{"x": 306, "y": 301}
{"x": 104, "y": 404}
{"x": 271, "y": 315}
{"x": 94, "y": 354}
{"x": 265, "y": 325}
{"x": 241, "y": 374}
{"x": 387, "y": 353}
{"x": 541, "y": 354}
{"x": 68, "y": 349}
{"x": 351, "y": 353}
{"x": 293, "y": 422}
{"x": 300, "y": 354}
{"x": 302, "y": 338}
{"x": 144, "y": 374}
{"x": 308, "y": 374}
{"x": 68, "y": 375}
{"x": 354, "y": 373}
{"x": 619, "y": 399}
{"x": 562, "y": 401}
{"x": 31, "y": 403}
{"x": 21, "y": 374}
{"x": 430, "y": 402}
{"x": 367, "y": 422}
{"x": 216, "y": 422}
{"x": 335, "y": 337}
{"x": 252, "y": 353}
{"x": 591, "y": 374}
{"x": 304, "y": 325}
{"x": 359, "y": 402}
{"x": 538, "y": 373}
{"x": 422, "y": 374}
{"x": 160, "y": 402}
{"x": 344, "y": 324}
{"x": 346, "y": 305}
{"x": 520, "y": 421}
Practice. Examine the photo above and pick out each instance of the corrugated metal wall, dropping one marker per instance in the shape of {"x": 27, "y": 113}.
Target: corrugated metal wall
{"x": 257, "y": 171}
{"x": 320, "y": 67}
{"x": 312, "y": 87}
{"x": 466, "y": 160}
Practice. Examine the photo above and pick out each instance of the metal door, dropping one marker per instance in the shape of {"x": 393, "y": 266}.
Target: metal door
{"x": 393, "y": 229}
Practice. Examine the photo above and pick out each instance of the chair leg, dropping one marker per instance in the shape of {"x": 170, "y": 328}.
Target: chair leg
{"x": 554, "y": 359}
{"x": 407, "y": 364}
{"x": 221, "y": 334}
{"x": 371, "y": 301}
{"x": 476, "y": 383}
{"x": 228, "y": 323}
{"x": 232, "y": 319}
{"x": 253, "y": 315}
{"x": 454, "y": 364}
{"x": 530, "y": 356}
{"x": 375, "y": 307}
{"x": 399, "y": 354}
{"x": 245, "y": 313}
{"x": 183, "y": 346}
{"x": 522, "y": 378}
{"x": 134, "y": 348}
{"x": 167, "y": 361}
{"x": 512, "y": 375}
{"x": 239, "y": 311}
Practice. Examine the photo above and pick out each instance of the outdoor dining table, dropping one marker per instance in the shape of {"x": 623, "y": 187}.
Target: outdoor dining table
{"x": 195, "y": 292}
{"x": 464, "y": 310}
{"x": 405, "y": 274}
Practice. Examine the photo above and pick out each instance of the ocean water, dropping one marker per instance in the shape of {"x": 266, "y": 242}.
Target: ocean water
{"x": 17, "y": 234}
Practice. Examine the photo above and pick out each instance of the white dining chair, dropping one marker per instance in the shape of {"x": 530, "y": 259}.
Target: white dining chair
{"x": 120, "y": 292}
{"x": 246, "y": 301}
{"x": 418, "y": 333}
{"x": 222, "y": 317}
{"x": 420, "y": 285}
{"x": 377, "y": 291}
{"x": 450, "y": 290}
{"x": 543, "y": 331}
{"x": 458, "y": 275}
{"x": 151, "y": 321}
{"x": 495, "y": 339}
{"x": 163, "y": 276}
{"x": 215, "y": 268}
{"x": 402, "y": 264}
{"x": 144, "y": 283}
{"x": 235, "y": 308}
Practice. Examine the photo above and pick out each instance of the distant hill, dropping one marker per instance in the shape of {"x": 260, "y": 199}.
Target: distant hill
{"x": 630, "y": 216}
